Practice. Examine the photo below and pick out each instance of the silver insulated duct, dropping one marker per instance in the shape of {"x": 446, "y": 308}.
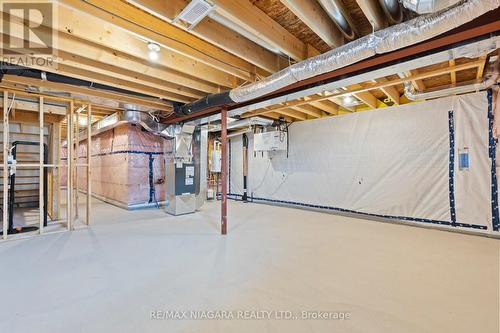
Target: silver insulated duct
{"x": 428, "y": 6}
{"x": 393, "y": 38}
{"x": 392, "y": 10}
{"x": 340, "y": 16}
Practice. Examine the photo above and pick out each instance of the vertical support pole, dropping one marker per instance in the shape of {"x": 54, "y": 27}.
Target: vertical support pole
{"x": 89, "y": 156}
{"x": 69, "y": 160}
{"x": 41, "y": 192}
{"x": 5, "y": 165}
{"x": 224, "y": 171}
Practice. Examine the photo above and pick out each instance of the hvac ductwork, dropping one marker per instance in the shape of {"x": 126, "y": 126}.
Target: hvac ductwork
{"x": 340, "y": 16}
{"x": 393, "y": 38}
{"x": 427, "y": 6}
{"x": 392, "y": 10}
{"x": 415, "y": 95}
{"x": 142, "y": 119}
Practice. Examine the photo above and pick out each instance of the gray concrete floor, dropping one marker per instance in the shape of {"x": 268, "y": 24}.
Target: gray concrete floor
{"x": 109, "y": 278}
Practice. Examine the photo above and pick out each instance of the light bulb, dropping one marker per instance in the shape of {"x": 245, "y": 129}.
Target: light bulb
{"x": 153, "y": 55}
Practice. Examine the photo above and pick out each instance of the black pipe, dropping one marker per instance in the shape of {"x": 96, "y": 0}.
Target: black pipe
{"x": 212, "y": 100}
{"x": 12, "y": 190}
{"x": 8, "y": 69}
{"x": 245, "y": 167}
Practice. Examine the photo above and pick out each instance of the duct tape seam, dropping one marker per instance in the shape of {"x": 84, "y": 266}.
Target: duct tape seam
{"x": 492, "y": 153}
{"x": 451, "y": 172}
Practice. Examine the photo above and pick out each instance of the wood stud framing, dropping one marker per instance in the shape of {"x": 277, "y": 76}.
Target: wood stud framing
{"x": 42, "y": 118}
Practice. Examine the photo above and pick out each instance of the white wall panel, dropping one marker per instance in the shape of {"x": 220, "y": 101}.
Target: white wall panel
{"x": 392, "y": 162}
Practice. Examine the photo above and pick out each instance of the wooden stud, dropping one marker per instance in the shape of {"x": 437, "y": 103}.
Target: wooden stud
{"x": 480, "y": 68}
{"x": 452, "y": 73}
{"x": 89, "y": 158}
{"x": 41, "y": 186}
{"x": 5, "y": 164}
{"x": 76, "y": 161}
{"x": 56, "y": 159}
{"x": 69, "y": 176}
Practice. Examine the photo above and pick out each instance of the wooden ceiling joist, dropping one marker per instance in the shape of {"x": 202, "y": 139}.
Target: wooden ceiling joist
{"x": 215, "y": 33}
{"x": 313, "y": 15}
{"x": 114, "y": 40}
{"x": 293, "y": 114}
{"x": 390, "y": 91}
{"x": 309, "y": 110}
{"x": 255, "y": 21}
{"x": 326, "y": 106}
{"x": 152, "y": 28}
{"x": 365, "y": 96}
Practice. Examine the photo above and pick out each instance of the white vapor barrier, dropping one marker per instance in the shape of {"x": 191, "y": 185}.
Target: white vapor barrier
{"x": 392, "y": 163}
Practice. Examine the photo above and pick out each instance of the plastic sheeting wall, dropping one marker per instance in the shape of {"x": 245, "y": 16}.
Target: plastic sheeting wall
{"x": 125, "y": 162}
{"x": 399, "y": 163}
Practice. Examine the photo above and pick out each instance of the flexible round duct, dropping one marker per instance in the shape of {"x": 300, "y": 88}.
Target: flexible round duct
{"x": 383, "y": 41}
{"x": 428, "y": 6}
{"x": 337, "y": 12}
{"x": 392, "y": 10}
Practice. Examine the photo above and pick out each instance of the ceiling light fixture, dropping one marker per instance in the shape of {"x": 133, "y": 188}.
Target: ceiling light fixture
{"x": 154, "y": 51}
{"x": 348, "y": 100}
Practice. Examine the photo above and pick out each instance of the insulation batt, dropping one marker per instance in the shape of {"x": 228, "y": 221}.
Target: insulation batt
{"x": 382, "y": 41}
{"x": 120, "y": 165}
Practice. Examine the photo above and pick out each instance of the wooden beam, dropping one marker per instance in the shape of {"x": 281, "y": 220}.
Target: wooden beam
{"x": 93, "y": 39}
{"x": 32, "y": 117}
{"x": 313, "y": 15}
{"x": 389, "y": 91}
{"x": 480, "y": 68}
{"x": 373, "y": 13}
{"x": 150, "y": 27}
{"x": 309, "y": 110}
{"x": 255, "y": 21}
{"x": 293, "y": 113}
{"x": 365, "y": 96}
{"x": 56, "y": 159}
{"x": 418, "y": 84}
{"x": 277, "y": 116}
{"x": 453, "y": 74}
{"x": 327, "y": 106}
{"x": 89, "y": 165}
{"x": 215, "y": 33}
{"x": 41, "y": 183}
{"x": 5, "y": 179}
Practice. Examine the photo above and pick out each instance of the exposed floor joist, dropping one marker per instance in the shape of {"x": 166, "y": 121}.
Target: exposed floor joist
{"x": 257, "y": 22}
{"x": 313, "y": 15}
{"x": 215, "y": 33}
{"x": 150, "y": 27}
